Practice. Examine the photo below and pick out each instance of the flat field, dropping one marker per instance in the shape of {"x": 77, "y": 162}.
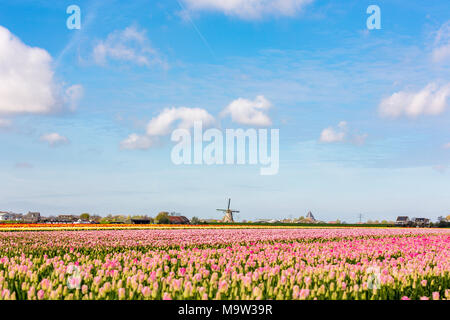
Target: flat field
{"x": 124, "y": 263}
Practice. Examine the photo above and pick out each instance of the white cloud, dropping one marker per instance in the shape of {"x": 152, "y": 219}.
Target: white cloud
{"x": 5, "y": 123}
{"x": 431, "y": 100}
{"x": 164, "y": 123}
{"x": 360, "y": 139}
{"x": 249, "y": 9}
{"x": 54, "y": 139}
{"x": 441, "y": 50}
{"x": 446, "y": 146}
{"x": 23, "y": 165}
{"x": 135, "y": 141}
{"x": 331, "y": 135}
{"x": 441, "y": 168}
{"x": 441, "y": 53}
{"x": 73, "y": 95}
{"x": 130, "y": 44}
{"x": 27, "y": 83}
{"x": 249, "y": 112}
{"x": 341, "y": 134}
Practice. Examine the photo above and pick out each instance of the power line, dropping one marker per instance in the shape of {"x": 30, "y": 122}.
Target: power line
{"x": 360, "y": 217}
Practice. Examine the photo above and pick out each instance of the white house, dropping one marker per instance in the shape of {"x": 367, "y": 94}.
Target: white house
{"x": 4, "y": 216}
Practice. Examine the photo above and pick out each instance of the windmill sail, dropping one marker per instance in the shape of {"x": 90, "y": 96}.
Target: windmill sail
{"x": 228, "y": 213}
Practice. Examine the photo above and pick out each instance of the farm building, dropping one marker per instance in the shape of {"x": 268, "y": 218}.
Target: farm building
{"x": 178, "y": 220}
{"x": 32, "y": 217}
{"x": 421, "y": 222}
{"x": 5, "y": 216}
{"x": 403, "y": 221}
{"x": 10, "y": 216}
{"x": 67, "y": 218}
{"x": 140, "y": 220}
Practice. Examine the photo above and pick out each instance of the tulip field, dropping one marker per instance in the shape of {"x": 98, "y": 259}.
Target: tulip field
{"x": 226, "y": 264}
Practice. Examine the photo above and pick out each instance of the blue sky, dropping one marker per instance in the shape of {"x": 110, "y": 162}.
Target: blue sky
{"x": 363, "y": 114}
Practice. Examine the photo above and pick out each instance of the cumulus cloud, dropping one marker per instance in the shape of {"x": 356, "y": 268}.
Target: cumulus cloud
{"x": 54, "y": 139}
{"x": 164, "y": 123}
{"x": 249, "y": 112}
{"x": 135, "y": 141}
{"x": 128, "y": 45}
{"x": 331, "y": 135}
{"x": 249, "y": 9}
{"x": 431, "y": 100}
{"x": 341, "y": 133}
{"x": 27, "y": 83}
{"x": 441, "y": 49}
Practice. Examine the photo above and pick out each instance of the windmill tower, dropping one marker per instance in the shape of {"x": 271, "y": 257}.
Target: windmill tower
{"x": 228, "y": 213}
{"x": 310, "y": 216}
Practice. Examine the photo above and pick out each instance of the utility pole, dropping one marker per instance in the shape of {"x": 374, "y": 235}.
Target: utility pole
{"x": 360, "y": 217}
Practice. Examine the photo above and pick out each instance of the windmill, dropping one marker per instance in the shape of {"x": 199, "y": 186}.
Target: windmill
{"x": 228, "y": 213}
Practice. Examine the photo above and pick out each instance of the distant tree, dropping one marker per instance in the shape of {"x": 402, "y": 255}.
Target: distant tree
{"x": 96, "y": 218}
{"x": 448, "y": 218}
{"x": 442, "y": 222}
{"x": 85, "y": 216}
{"x": 109, "y": 218}
{"x": 120, "y": 218}
{"x": 301, "y": 218}
{"x": 338, "y": 221}
{"x": 195, "y": 220}
{"x": 127, "y": 219}
{"x": 384, "y": 222}
{"x": 162, "y": 218}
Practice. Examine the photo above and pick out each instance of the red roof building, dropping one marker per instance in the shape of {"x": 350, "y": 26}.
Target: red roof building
{"x": 178, "y": 220}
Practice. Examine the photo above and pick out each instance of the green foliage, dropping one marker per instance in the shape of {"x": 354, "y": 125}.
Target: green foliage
{"x": 95, "y": 218}
{"x": 162, "y": 218}
{"x": 85, "y": 216}
{"x": 195, "y": 220}
{"x": 115, "y": 219}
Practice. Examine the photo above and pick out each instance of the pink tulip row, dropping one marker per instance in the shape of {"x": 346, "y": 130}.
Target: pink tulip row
{"x": 193, "y": 237}
{"x": 226, "y": 264}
